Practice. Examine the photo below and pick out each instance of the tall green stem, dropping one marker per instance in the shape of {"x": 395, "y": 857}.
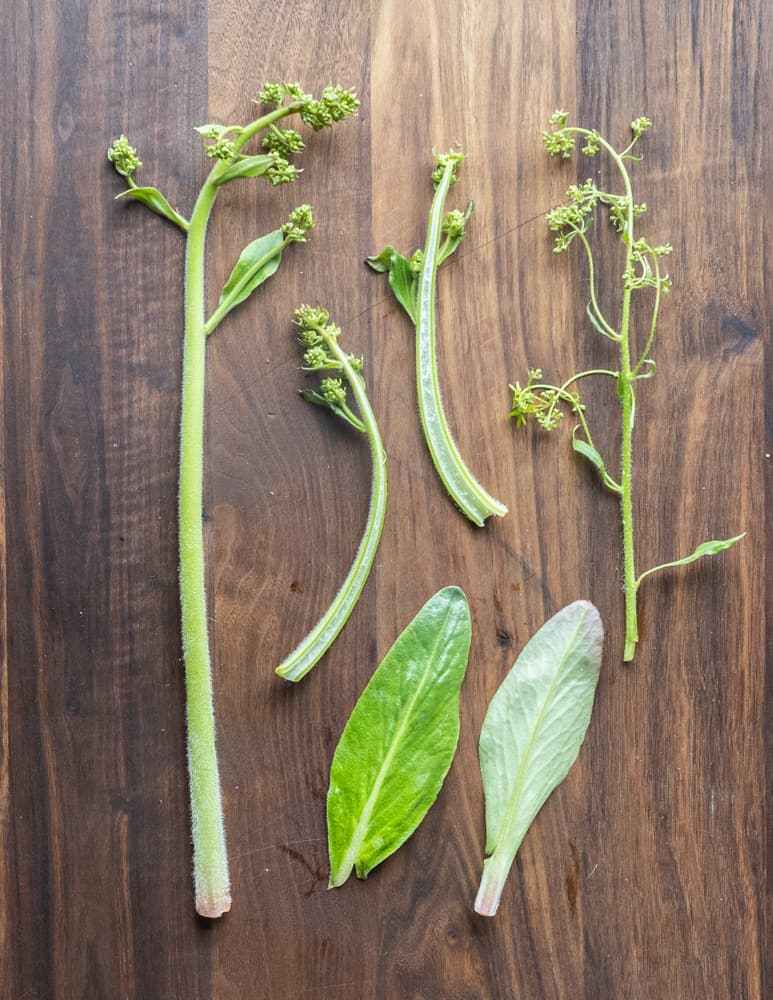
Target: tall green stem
{"x": 627, "y": 404}
{"x": 210, "y": 859}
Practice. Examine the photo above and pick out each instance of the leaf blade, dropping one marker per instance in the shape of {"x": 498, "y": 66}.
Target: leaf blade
{"x": 156, "y": 202}
{"x": 385, "y": 773}
{"x": 710, "y": 548}
{"x": 257, "y": 262}
{"x": 248, "y": 166}
{"x": 402, "y": 279}
{"x": 532, "y": 733}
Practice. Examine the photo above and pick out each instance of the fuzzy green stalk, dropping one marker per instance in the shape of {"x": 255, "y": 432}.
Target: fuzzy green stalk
{"x": 625, "y": 381}
{"x": 210, "y": 858}
{"x": 258, "y": 261}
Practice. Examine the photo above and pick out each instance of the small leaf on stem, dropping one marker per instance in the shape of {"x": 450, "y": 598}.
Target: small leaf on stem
{"x": 156, "y": 202}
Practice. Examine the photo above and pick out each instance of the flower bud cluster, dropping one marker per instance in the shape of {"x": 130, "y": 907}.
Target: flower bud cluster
{"x": 299, "y": 222}
{"x": 335, "y": 103}
{"x": 123, "y": 156}
{"x": 452, "y": 158}
{"x": 541, "y": 401}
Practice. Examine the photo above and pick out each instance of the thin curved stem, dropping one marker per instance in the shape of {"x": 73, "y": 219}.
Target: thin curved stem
{"x": 653, "y": 322}
{"x": 308, "y": 653}
{"x": 609, "y": 330}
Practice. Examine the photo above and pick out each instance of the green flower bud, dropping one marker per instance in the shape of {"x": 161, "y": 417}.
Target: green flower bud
{"x": 123, "y": 156}
{"x": 300, "y": 221}
{"x": 272, "y": 93}
{"x": 333, "y": 391}
{"x": 310, "y": 316}
{"x": 315, "y": 357}
{"x": 453, "y": 224}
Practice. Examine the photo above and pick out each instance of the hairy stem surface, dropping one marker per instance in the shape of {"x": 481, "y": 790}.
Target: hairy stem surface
{"x": 210, "y": 860}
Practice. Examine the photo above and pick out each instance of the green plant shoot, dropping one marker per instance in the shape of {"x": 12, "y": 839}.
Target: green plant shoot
{"x": 413, "y": 281}
{"x": 324, "y": 354}
{"x": 224, "y": 144}
{"x": 642, "y": 272}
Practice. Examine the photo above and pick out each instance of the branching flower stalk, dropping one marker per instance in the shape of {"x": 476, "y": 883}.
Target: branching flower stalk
{"x": 413, "y": 281}
{"x": 324, "y": 354}
{"x": 258, "y": 261}
{"x": 642, "y": 270}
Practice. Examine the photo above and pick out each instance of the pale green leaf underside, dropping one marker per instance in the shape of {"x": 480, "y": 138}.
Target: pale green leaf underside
{"x": 532, "y": 733}
{"x": 398, "y": 744}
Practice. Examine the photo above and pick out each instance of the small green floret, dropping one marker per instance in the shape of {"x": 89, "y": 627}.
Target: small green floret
{"x": 123, "y": 156}
{"x": 299, "y": 223}
{"x": 333, "y": 391}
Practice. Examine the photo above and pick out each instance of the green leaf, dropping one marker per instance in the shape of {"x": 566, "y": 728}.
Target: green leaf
{"x": 205, "y": 130}
{"x": 156, "y": 202}
{"x": 583, "y": 448}
{"x": 402, "y": 279}
{"x": 588, "y": 451}
{"x": 312, "y": 396}
{"x": 258, "y": 261}
{"x": 596, "y": 323}
{"x": 400, "y": 739}
{"x": 532, "y": 733}
{"x": 248, "y": 166}
{"x": 381, "y": 262}
{"x": 711, "y": 548}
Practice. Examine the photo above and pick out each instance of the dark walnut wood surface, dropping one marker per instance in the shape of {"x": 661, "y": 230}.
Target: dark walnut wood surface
{"x": 644, "y": 874}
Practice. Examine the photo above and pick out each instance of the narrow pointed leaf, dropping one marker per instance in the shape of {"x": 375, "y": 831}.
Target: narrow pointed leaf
{"x": 711, "y": 548}
{"x": 248, "y": 166}
{"x": 156, "y": 202}
{"x": 205, "y": 130}
{"x": 595, "y": 322}
{"x": 258, "y": 261}
{"x": 312, "y": 396}
{"x": 532, "y": 733}
{"x": 398, "y": 744}
{"x": 588, "y": 451}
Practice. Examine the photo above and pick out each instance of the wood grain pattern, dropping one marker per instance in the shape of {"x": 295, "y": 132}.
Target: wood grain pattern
{"x": 645, "y": 874}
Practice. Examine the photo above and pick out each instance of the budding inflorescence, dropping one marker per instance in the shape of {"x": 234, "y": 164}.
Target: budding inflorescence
{"x": 123, "y": 156}
{"x": 334, "y": 104}
{"x": 541, "y": 401}
{"x": 454, "y": 223}
{"x": 299, "y": 222}
{"x": 319, "y": 337}
{"x": 452, "y": 158}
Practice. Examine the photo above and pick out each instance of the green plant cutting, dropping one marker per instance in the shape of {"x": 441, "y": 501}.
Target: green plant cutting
{"x": 642, "y": 272}
{"x": 225, "y": 145}
{"x": 532, "y": 733}
{"x": 400, "y": 739}
{"x": 323, "y": 354}
{"x": 413, "y": 281}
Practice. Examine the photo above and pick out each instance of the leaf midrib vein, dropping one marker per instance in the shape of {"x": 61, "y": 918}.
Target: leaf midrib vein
{"x": 361, "y": 829}
{"x": 515, "y": 795}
